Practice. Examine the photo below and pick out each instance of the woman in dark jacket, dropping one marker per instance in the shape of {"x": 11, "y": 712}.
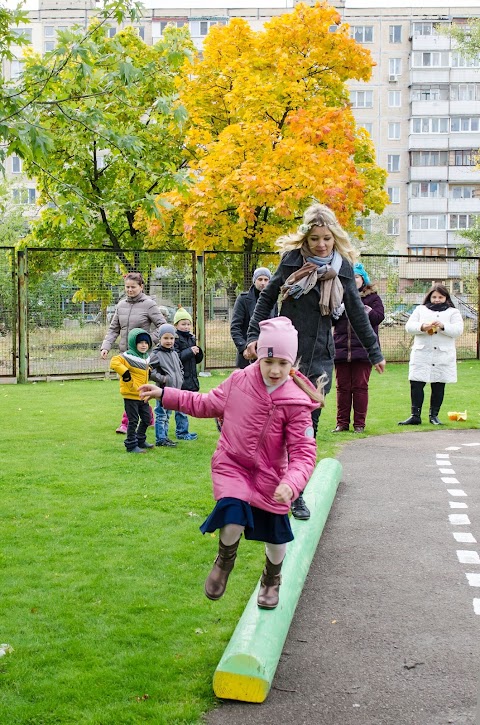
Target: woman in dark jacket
{"x": 352, "y": 366}
{"x": 314, "y": 276}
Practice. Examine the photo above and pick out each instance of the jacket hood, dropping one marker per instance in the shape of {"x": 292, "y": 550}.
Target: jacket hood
{"x": 132, "y": 342}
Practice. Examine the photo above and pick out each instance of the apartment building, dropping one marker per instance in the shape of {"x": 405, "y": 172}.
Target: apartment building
{"x": 421, "y": 106}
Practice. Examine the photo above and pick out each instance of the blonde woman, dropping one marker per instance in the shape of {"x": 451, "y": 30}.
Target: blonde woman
{"x": 315, "y": 281}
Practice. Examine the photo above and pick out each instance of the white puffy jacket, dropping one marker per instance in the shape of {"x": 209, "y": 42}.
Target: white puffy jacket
{"x": 433, "y": 358}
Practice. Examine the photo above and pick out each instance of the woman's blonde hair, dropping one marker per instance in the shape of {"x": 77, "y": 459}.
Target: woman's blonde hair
{"x": 319, "y": 215}
{"x": 315, "y": 394}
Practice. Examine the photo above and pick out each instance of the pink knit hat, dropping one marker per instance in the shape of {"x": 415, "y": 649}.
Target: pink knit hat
{"x": 278, "y": 338}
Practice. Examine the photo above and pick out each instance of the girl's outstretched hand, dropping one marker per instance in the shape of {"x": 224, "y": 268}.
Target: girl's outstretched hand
{"x": 149, "y": 391}
{"x": 283, "y": 493}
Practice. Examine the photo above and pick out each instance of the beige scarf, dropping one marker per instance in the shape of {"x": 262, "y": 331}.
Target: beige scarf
{"x": 304, "y": 280}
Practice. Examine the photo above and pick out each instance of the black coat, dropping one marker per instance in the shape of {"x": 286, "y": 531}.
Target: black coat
{"x": 183, "y": 345}
{"x": 242, "y": 312}
{"x": 347, "y": 345}
{"x": 315, "y": 340}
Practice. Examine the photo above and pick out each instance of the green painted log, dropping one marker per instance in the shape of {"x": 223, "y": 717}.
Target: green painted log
{"x": 248, "y": 665}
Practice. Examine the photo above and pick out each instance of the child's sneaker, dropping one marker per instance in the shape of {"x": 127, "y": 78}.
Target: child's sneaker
{"x": 187, "y": 437}
{"x": 122, "y": 429}
{"x": 167, "y": 443}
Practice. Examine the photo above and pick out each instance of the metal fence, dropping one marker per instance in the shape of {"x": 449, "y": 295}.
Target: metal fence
{"x": 55, "y": 305}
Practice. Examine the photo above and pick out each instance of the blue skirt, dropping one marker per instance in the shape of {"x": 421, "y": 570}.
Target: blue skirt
{"x": 259, "y": 525}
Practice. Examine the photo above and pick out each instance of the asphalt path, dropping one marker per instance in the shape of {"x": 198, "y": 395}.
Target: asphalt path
{"x": 386, "y": 631}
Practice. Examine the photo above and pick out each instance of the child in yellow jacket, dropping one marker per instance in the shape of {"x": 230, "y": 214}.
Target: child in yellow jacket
{"x": 133, "y": 368}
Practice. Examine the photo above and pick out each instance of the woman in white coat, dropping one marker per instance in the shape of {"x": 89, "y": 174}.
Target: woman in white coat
{"x": 433, "y": 359}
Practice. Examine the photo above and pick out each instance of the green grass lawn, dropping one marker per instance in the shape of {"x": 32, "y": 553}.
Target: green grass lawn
{"x": 102, "y": 564}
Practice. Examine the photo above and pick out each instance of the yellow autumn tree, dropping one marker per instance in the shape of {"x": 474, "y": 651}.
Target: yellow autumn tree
{"x": 270, "y": 128}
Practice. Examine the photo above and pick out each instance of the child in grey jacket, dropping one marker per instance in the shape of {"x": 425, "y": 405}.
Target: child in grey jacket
{"x": 166, "y": 371}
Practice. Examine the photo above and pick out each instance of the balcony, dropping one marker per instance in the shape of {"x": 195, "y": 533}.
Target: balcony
{"x": 427, "y": 141}
{"x": 464, "y": 206}
{"x": 431, "y": 108}
{"x": 430, "y": 75}
{"x": 464, "y": 174}
{"x": 429, "y": 173}
{"x": 427, "y": 238}
{"x": 430, "y": 42}
{"x": 428, "y": 205}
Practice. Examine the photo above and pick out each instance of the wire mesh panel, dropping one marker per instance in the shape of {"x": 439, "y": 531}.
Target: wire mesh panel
{"x": 226, "y": 275}
{"x": 403, "y": 281}
{"x": 7, "y": 312}
{"x": 72, "y": 295}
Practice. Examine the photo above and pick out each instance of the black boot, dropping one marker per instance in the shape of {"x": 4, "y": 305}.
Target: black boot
{"x": 216, "y": 581}
{"x": 300, "y": 509}
{"x": 433, "y": 416}
{"x": 414, "y": 419}
{"x": 269, "y": 585}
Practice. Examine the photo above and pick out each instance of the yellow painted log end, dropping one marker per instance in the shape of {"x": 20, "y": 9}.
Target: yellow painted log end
{"x": 235, "y": 686}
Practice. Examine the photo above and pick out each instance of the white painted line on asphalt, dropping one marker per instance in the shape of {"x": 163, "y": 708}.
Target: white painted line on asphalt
{"x": 453, "y": 448}
{"x": 476, "y": 606}
{"x": 470, "y": 444}
{"x": 459, "y": 519}
{"x": 450, "y": 480}
{"x": 468, "y": 557}
{"x": 456, "y": 492}
{"x": 473, "y": 579}
{"x": 464, "y": 538}
{"x": 447, "y": 471}
{"x": 457, "y": 505}
{"x": 442, "y": 455}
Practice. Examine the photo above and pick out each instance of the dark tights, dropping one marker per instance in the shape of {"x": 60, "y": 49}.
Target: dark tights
{"x": 417, "y": 394}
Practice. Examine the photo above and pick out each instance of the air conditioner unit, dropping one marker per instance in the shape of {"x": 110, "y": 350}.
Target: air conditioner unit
{"x": 393, "y": 78}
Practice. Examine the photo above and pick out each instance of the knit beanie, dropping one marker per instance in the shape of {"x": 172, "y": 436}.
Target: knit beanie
{"x": 261, "y": 272}
{"x": 182, "y": 314}
{"x": 166, "y": 327}
{"x": 144, "y": 337}
{"x": 278, "y": 338}
{"x": 359, "y": 269}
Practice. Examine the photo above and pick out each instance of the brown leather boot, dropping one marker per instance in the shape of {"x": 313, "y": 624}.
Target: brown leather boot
{"x": 216, "y": 581}
{"x": 269, "y": 585}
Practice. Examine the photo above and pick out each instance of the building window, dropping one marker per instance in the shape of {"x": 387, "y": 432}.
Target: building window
{"x": 395, "y": 34}
{"x": 428, "y": 189}
{"x": 364, "y": 223}
{"x": 49, "y": 31}
{"x": 394, "y": 194}
{"x": 361, "y": 99}
{"x": 460, "y": 61}
{"x": 429, "y": 158}
{"x": 462, "y": 124}
{"x": 112, "y": 32}
{"x": 428, "y": 222}
{"x": 424, "y": 29}
{"x": 395, "y": 66}
{"x": 394, "y": 99}
{"x": 462, "y": 221}
{"x": 464, "y": 157}
{"x": 465, "y": 92}
{"x": 367, "y": 126}
{"x": 464, "y": 192}
{"x": 16, "y": 164}
{"x": 32, "y": 195}
{"x": 430, "y": 59}
{"x": 362, "y": 33}
{"x": 430, "y": 125}
{"x": 25, "y": 33}
{"x": 16, "y": 69}
{"x": 48, "y": 46}
{"x": 394, "y": 130}
{"x": 393, "y": 227}
{"x": 393, "y": 163}
{"x": 200, "y": 28}
{"x": 430, "y": 93}
{"x": 24, "y": 196}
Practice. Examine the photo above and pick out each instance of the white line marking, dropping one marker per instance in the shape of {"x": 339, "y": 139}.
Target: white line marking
{"x": 457, "y": 505}
{"x": 447, "y": 470}
{"x": 473, "y": 579}
{"x": 464, "y": 538}
{"x": 450, "y": 480}
{"x": 453, "y": 448}
{"x": 443, "y": 455}
{"x": 470, "y": 444}
{"x": 456, "y": 492}
{"x": 476, "y": 606}
{"x": 459, "y": 519}
{"x": 468, "y": 557}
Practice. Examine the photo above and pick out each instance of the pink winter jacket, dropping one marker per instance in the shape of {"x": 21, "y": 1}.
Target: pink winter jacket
{"x": 265, "y": 439}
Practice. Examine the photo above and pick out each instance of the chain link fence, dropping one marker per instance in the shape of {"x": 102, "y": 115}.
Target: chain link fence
{"x": 66, "y": 299}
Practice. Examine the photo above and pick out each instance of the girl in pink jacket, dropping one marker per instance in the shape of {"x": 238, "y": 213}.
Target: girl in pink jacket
{"x": 265, "y": 454}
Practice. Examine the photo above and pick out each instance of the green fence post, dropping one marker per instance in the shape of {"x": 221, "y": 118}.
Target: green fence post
{"x": 248, "y": 665}
{"x": 200, "y": 279}
{"x": 22, "y": 319}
